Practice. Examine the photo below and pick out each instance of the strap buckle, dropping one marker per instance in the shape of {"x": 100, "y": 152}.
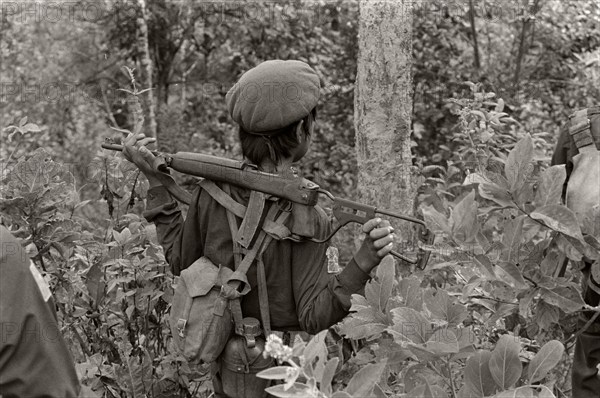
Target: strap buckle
{"x": 181, "y": 327}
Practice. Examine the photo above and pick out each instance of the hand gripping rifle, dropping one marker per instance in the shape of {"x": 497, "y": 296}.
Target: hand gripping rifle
{"x": 291, "y": 187}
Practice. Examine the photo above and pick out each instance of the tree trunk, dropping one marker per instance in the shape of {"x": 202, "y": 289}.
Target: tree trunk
{"x": 147, "y": 66}
{"x": 382, "y": 107}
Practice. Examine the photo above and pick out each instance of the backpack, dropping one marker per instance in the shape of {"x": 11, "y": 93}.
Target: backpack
{"x": 583, "y": 187}
{"x": 206, "y": 304}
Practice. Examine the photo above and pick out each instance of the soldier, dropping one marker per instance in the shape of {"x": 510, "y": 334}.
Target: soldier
{"x": 274, "y": 105}
{"x": 34, "y": 359}
{"x": 586, "y": 362}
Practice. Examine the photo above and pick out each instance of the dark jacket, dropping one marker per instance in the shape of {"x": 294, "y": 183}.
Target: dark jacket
{"x": 34, "y": 359}
{"x": 302, "y": 294}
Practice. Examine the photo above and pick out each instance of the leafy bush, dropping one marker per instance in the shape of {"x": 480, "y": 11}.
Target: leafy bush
{"x": 492, "y": 312}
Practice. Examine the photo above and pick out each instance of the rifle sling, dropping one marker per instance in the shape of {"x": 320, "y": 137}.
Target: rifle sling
{"x": 278, "y": 231}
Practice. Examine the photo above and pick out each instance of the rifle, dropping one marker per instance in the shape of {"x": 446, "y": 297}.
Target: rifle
{"x": 291, "y": 187}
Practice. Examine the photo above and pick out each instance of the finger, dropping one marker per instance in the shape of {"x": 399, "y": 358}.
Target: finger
{"x": 380, "y": 232}
{"x": 369, "y": 225}
{"x": 146, "y": 141}
{"x": 146, "y": 154}
{"x": 133, "y": 138}
{"x": 385, "y": 251}
{"x": 381, "y": 243}
{"x": 385, "y": 223}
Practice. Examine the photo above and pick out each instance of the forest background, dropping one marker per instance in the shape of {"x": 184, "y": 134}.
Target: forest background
{"x": 492, "y": 83}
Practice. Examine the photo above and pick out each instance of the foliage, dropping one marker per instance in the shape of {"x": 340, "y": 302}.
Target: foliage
{"x": 496, "y": 284}
{"x": 310, "y": 371}
{"x": 496, "y": 288}
{"x": 110, "y": 282}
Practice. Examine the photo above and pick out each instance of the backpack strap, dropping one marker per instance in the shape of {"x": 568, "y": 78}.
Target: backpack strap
{"x": 275, "y": 217}
{"x": 581, "y": 132}
{"x": 231, "y": 288}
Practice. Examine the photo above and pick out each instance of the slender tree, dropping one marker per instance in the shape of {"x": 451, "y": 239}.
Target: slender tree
{"x": 383, "y": 104}
{"x": 147, "y": 65}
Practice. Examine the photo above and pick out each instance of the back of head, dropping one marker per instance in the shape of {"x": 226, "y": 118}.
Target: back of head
{"x": 268, "y": 102}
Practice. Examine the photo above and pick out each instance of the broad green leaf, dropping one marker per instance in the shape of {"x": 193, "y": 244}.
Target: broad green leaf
{"x": 511, "y": 274}
{"x": 518, "y": 162}
{"x": 358, "y": 302}
{"x": 521, "y": 392}
{"x": 478, "y": 375}
{"x": 550, "y": 186}
{"x": 23, "y": 121}
{"x": 316, "y": 347}
{"x": 525, "y": 301}
{"x": 328, "y": 373}
{"x": 511, "y": 239}
{"x": 94, "y": 283}
{"x": 466, "y": 342}
{"x": 416, "y": 374}
{"x": 505, "y": 365}
{"x": 358, "y": 329}
{"x": 420, "y": 352}
{"x": 31, "y": 127}
{"x": 364, "y": 380}
{"x": 468, "y": 391}
{"x": 87, "y": 392}
{"x": 411, "y": 324}
{"x": 436, "y": 221}
{"x": 547, "y": 358}
{"x": 386, "y": 274}
{"x": 496, "y": 194}
{"x": 525, "y": 193}
{"x": 412, "y": 293}
{"x": 274, "y": 373}
{"x": 341, "y": 394}
{"x": 122, "y": 237}
{"x": 444, "y": 307}
{"x": 545, "y": 392}
{"x": 551, "y": 262}
{"x": 590, "y": 222}
{"x": 560, "y": 219}
{"x": 566, "y": 298}
{"x": 378, "y": 392}
{"x": 135, "y": 375}
{"x": 502, "y": 290}
{"x": 297, "y": 390}
{"x": 464, "y": 219}
{"x": 546, "y": 314}
{"x": 475, "y": 178}
{"x": 368, "y": 314}
{"x": 443, "y": 342}
{"x": 484, "y": 264}
{"x": 427, "y": 391}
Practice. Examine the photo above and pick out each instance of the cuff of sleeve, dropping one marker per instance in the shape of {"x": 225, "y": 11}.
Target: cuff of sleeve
{"x": 157, "y": 196}
{"x": 159, "y": 202}
{"x": 353, "y": 278}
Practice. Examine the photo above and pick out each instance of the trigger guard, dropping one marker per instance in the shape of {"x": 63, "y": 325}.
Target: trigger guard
{"x": 160, "y": 165}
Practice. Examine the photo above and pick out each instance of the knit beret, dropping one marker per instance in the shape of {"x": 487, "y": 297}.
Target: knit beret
{"x": 273, "y": 95}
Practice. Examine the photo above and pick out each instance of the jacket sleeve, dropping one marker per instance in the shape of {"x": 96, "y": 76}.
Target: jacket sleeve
{"x": 34, "y": 358}
{"x": 181, "y": 239}
{"x": 322, "y": 299}
{"x": 163, "y": 211}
